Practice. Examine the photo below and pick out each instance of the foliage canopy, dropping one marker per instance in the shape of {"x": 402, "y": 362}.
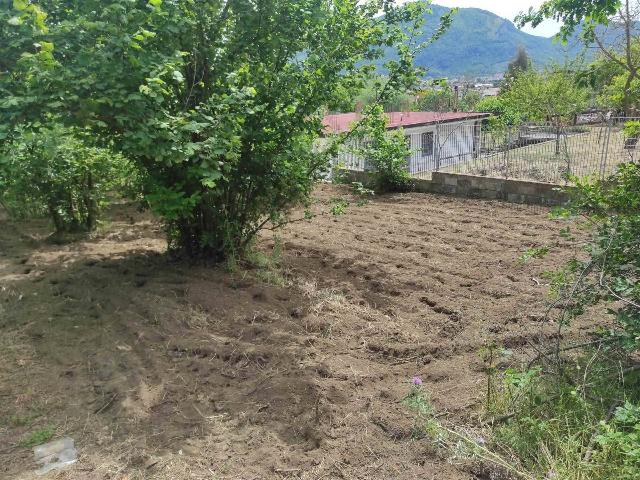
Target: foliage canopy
{"x": 57, "y": 172}
{"x": 220, "y": 101}
{"x": 570, "y": 13}
{"x": 548, "y": 96}
{"x": 386, "y": 150}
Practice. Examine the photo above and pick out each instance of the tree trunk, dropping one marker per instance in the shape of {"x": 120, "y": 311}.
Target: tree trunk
{"x": 628, "y": 22}
{"x": 626, "y": 101}
{"x": 90, "y": 205}
{"x": 58, "y": 223}
{"x": 624, "y": 60}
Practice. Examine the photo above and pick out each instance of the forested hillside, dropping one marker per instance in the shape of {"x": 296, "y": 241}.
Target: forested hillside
{"x": 482, "y": 43}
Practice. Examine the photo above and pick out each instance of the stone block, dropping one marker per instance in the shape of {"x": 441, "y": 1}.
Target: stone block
{"x": 450, "y": 179}
{"x": 515, "y": 198}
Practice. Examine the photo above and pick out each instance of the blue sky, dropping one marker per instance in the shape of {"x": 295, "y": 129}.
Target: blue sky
{"x": 507, "y": 9}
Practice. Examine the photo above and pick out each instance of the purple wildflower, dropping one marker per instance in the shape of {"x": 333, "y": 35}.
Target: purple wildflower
{"x": 416, "y": 381}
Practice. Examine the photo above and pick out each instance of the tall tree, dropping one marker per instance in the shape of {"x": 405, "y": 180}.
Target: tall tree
{"x": 521, "y": 63}
{"x": 621, "y": 19}
{"x": 220, "y": 100}
{"x": 552, "y": 96}
{"x": 571, "y": 13}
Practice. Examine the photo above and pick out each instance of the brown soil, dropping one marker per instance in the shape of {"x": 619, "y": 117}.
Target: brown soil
{"x": 160, "y": 369}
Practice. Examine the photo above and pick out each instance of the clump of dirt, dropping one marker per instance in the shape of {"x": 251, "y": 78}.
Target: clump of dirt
{"x": 161, "y": 369}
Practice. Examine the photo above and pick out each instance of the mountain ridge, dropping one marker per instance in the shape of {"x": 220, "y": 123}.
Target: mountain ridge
{"x": 481, "y": 43}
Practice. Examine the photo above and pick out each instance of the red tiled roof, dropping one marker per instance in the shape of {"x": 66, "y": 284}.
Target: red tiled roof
{"x": 342, "y": 122}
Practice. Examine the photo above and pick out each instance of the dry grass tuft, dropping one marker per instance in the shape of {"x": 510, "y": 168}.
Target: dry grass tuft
{"x": 195, "y": 317}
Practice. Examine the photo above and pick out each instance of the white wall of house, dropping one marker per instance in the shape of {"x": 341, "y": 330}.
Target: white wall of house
{"x": 433, "y": 146}
{"x": 453, "y": 143}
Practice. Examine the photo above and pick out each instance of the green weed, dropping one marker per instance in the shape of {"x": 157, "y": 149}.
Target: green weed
{"x": 535, "y": 252}
{"x": 454, "y": 442}
{"x": 568, "y": 427}
{"x": 37, "y": 437}
{"x": 268, "y": 268}
{"x": 22, "y": 420}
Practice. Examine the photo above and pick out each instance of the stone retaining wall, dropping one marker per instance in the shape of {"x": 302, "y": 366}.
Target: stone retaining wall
{"x": 511, "y": 190}
{"x": 472, "y": 186}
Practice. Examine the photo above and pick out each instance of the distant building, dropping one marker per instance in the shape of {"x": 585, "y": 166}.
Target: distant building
{"x": 489, "y": 91}
{"x": 436, "y": 139}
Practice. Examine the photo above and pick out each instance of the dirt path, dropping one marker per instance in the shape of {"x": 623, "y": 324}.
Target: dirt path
{"x": 170, "y": 371}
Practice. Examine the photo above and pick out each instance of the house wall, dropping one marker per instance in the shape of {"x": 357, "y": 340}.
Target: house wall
{"x": 453, "y": 143}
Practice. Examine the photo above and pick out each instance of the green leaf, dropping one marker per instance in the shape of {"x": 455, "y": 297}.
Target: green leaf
{"x": 177, "y": 76}
{"x": 46, "y": 47}
{"x": 20, "y": 5}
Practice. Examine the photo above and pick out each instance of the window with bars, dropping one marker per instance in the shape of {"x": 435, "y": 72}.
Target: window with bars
{"x": 427, "y": 144}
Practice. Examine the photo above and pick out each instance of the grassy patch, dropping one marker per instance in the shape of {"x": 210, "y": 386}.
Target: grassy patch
{"x": 573, "y": 427}
{"x": 582, "y": 425}
{"x": 22, "y": 420}
{"x": 456, "y": 443}
{"x": 268, "y": 268}
{"x": 38, "y": 437}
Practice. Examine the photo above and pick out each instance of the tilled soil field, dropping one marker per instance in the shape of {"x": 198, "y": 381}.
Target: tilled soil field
{"x": 160, "y": 369}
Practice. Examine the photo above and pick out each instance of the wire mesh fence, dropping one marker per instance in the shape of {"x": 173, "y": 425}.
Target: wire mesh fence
{"x": 552, "y": 154}
{"x": 535, "y": 152}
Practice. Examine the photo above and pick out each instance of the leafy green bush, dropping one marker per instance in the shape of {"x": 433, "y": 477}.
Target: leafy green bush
{"x": 220, "y": 102}
{"x": 631, "y": 133}
{"x": 562, "y": 428}
{"x": 386, "y": 150}
{"x": 568, "y": 422}
{"x": 55, "y": 171}
{"x": 619, "y": 443}
{"x": 618, "y": 95}
{"x": 550, "y": 96}
{"x": 504, "y": 114}
{"x": 612, "y": 271}
{"x": 632, "y": 129}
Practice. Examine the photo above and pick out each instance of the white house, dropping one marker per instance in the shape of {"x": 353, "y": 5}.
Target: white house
{"x": 437, "y": 139}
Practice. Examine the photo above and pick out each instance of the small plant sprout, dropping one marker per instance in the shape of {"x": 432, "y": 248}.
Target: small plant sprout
{"x": 491, "y": 354}
{"x": 38, "y": 437}
{"x": 339, "y": 207}
{"x": 534, "y": 252}
{"x": 363, "y": 193}
{"x": 418, "y": 400}
{"x": 340, "y": 174}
